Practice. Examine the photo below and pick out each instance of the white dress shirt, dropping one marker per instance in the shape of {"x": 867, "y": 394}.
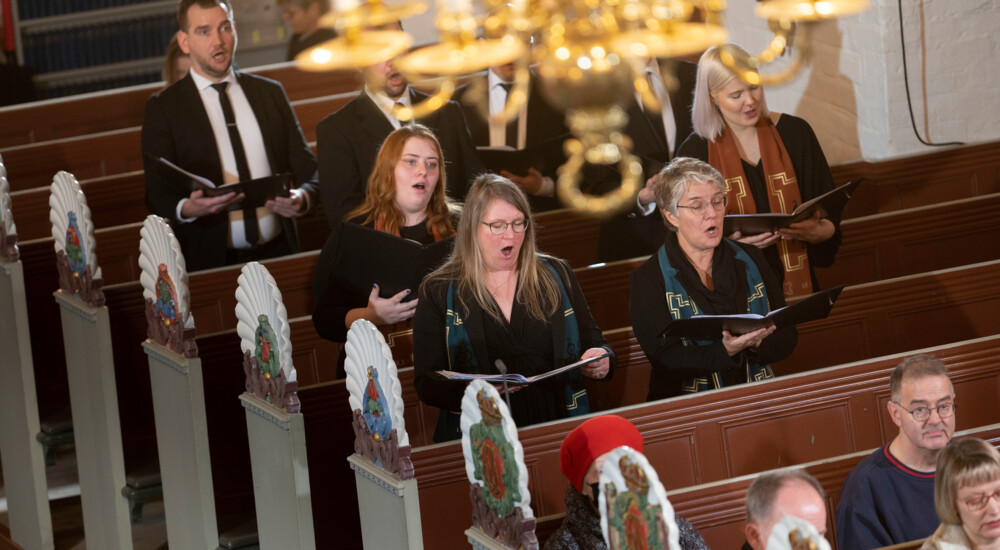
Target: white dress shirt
{"x": 498, "y": 100}
{"x": 253, "y": 147}
{"x": 498, "y": 130}
{"x": 666, "y": 113}
{"x": 386, "y": 103}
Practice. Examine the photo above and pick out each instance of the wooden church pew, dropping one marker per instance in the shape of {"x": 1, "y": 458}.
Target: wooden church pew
{"x": 125, "y": 107}
{"x": 125, "y": 304}
{"x": 915, "y": 240}
{"x": 864, "y": 323}
{"x": 724, "y": 434}
{"x": 115, "y": 151}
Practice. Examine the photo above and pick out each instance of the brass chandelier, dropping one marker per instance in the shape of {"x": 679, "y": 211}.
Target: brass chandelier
{"x": 590, "y": 57}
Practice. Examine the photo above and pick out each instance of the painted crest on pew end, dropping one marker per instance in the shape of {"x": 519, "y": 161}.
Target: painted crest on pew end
{"x": 8, "y": 231}
{"x": 72, "y": 226}
{"x": 73, "y": 240}
{"x": 265, "y": 338}
{"x": 164, "y": 280}
{"x": 376, "y": 399}
{"x": 494, "y": 464}
{"x": 635, "y": 512}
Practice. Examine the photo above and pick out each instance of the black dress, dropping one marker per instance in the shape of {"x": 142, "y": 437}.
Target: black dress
{"x": 527, "y": 346}
{"x": 811, "y": 171}
{"x": 673, "y": 362}
{"x": 332, "y": 301}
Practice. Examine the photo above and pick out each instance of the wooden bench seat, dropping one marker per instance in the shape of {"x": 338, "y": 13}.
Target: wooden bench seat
{"x": 724, "y": 434}
{"x": 125, "y": 107}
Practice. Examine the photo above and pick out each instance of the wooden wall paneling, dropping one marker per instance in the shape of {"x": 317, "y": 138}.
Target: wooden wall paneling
{"x": 716, "y": 435}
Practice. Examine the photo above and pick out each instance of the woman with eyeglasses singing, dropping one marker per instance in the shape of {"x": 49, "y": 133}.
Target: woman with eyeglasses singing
{"x": 771, "y": 162}
{"x": 698, "y": 272}
{"x": 498, "y": 298}
{"x": 967, "y": 497}
{"x": 406, "y": 198}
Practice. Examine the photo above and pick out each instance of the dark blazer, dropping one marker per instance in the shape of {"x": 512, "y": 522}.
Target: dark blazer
{"x": 545, "y": 122}
{"x": 176, "y": 127}
{"x": 348, "y": 142}
{"x": 631, "y": 234}
{"x": 644, "y": 138}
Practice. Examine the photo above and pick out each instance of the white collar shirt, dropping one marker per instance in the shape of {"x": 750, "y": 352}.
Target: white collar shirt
{"x": 253, "y": 147}
{"x": 386, "y": 103}
{"x": 498, "y": 100}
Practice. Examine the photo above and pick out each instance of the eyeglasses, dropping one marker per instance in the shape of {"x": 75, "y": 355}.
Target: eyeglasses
{"x": 922, "y": 413}
{"x": 699, "y": 207}
{"x": 499, "y": 228}
{"x": 980, "y": 503}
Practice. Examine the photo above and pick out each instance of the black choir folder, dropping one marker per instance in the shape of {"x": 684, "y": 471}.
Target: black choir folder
{"x": 257, "y": 191}
{"x": 366, "y": 257}
{"x": 709, "y": 327}
{"x": 831, "y": 202}
{"x": 546, "y": 157}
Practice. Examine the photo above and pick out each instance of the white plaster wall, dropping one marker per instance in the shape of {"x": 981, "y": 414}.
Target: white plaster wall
{"x": 853, "y": 92}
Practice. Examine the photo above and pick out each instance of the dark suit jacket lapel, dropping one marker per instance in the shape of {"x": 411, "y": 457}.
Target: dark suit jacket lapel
{"x": 479, "y": 127}
{"x": 372, "y": 120}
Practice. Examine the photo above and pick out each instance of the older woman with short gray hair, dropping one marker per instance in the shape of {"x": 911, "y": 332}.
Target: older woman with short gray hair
{"x": 697, "y": 272}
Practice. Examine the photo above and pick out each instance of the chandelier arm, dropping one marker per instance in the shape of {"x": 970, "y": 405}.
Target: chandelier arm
{"x": 747, "y": 68}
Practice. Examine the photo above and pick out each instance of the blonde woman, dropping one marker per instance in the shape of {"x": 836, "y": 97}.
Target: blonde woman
{"x": 771, "y": 162}
{"x": 499, "y": 298}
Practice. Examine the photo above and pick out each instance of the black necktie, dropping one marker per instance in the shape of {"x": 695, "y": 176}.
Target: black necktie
{"x": 242, "y": 168}
{"x": 512, "y": 125}
{"x": 656, "y": 119}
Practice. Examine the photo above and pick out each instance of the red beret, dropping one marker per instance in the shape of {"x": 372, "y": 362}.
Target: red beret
{"x": 590, "y": 440}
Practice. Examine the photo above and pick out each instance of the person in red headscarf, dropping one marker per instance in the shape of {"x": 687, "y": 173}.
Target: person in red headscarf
{"x": 581, "y": 458}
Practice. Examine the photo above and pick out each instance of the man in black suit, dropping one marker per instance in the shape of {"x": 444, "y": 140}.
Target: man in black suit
{"x": 537, "y": 123}
{"x": 227, "y": 127}
{"x": 348, "y": 141}
{"x": 655, "y": 137}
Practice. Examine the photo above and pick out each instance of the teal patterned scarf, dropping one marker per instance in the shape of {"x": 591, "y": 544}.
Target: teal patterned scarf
{"x": 683, "y": 307}
{"x": 462, "y": 358}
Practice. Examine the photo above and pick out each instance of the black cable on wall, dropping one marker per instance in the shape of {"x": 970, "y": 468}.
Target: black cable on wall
{"x": 906, "y": 82}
